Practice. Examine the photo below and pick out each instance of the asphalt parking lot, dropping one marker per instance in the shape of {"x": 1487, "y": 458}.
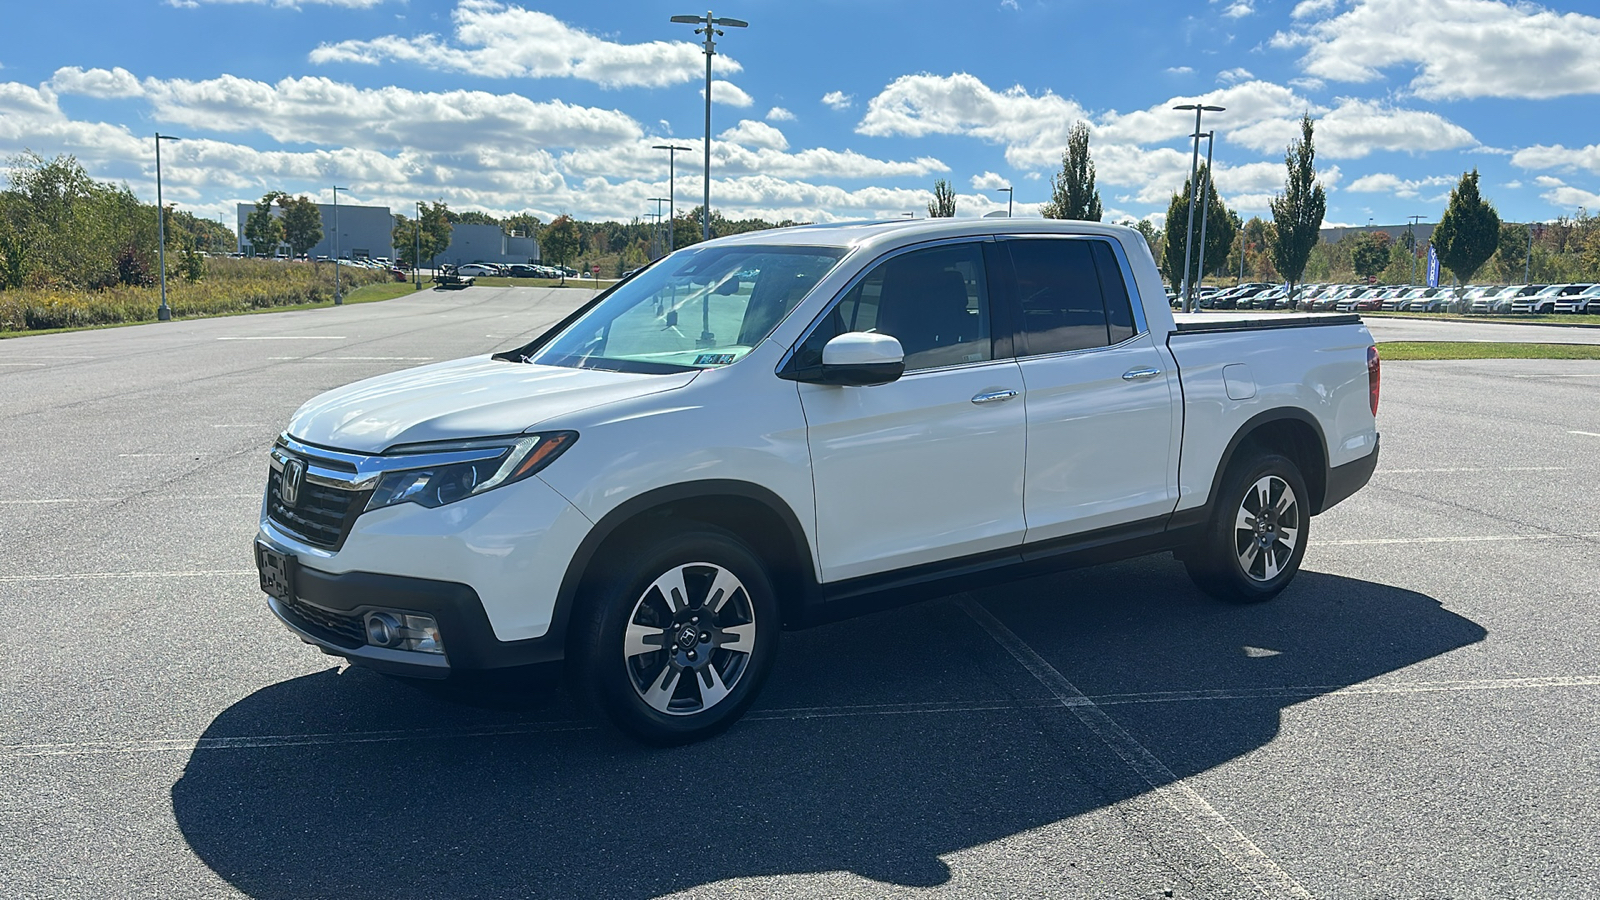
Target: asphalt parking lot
{"x": 1414, "y": 717}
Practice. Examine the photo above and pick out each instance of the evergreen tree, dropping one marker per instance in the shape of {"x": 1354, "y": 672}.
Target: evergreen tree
{"x": 1221, "y": 224}
{"x": 1297, "y": 214}
{"x": 1072, "y": 191}
{"x": 1469, "y": 230}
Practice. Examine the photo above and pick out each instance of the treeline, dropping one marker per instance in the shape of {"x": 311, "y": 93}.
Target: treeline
{"x": 614, "y": 246}
{"x": 59, "y": 228}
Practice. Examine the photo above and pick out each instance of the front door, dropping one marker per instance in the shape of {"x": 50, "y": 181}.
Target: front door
{"x": 929, "y": 467}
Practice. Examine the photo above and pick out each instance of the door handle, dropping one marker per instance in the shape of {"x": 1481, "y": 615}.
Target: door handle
{"x": 994, "y": 396}
{"x": 1140, "y": 374}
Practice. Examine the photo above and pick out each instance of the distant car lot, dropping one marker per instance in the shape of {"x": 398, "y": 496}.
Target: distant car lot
{"x": 1530, "y": 299}
{"x": 1413, "y": 718}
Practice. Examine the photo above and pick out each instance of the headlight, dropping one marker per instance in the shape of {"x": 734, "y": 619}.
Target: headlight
{"x": 459, "y": 469}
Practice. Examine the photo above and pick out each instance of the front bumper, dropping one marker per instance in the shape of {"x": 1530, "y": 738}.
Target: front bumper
{"x": 327, "y": 610}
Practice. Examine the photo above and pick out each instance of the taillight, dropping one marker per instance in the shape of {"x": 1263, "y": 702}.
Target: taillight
{"x": 1373, "y": 365}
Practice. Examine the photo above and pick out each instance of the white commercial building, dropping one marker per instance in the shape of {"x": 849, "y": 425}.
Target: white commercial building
{"x": 365, "y": 232}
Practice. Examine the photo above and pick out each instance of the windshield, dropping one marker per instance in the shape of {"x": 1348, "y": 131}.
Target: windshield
{"x": 696, "y": 309}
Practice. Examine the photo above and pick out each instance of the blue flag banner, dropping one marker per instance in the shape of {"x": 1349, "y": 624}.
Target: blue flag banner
{"x": 1433, "y": 267}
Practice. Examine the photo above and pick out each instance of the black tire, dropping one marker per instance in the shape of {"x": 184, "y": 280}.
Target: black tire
{"x": 1245, "y": 557}
{"x": 702, "y": 678}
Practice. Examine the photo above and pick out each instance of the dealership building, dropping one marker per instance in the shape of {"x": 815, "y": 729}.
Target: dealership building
{"x": 367, "y": 232}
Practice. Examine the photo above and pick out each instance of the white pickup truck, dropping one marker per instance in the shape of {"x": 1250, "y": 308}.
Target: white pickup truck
{"x": 790, "y": 427}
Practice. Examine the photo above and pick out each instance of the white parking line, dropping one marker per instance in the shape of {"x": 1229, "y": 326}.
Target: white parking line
{"x": 285, "y": 337}
{"x": 1584, "y": 433}
{"x": 354, "y": 358}
{"x": 102, "y": 576}
{"x": 1268, "y": 878}
{"x": 1475, "y": 469}
{"x": 23, "y": 364}
{"x": 1463, "y": 539}
{"x": 54, "y": 500}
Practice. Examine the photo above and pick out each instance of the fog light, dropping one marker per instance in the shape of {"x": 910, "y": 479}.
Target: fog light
{"x": 403, "y": 631}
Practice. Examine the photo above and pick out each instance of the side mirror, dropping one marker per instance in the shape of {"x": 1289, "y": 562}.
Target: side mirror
{"x": 861, "y": 359}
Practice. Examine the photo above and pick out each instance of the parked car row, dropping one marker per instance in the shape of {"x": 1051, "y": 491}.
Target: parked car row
{"x": 517, "y": 270}
{"x": 1580, "y": 298}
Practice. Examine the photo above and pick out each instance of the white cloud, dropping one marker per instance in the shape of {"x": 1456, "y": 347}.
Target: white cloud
{"x": 1179, "y": 70}
{"x": 1566, "y": 196}
{"x": 1307, "y": 84}
{"x": 750, "y": 133}
{"x": 117, "y": 82}
{"x": 1464, "y": 48}
{"x": 838, "y": 99}
{"x": 729, "y": 94}
{"x": 499, "y": 40}
{"x": 1355, "y": 128}
{"x": 1234, "y": 76}
{"x": 1009, "y": 4}
{"x": 1238, "y": 9}
{"x": 1405, "y": 188}
{"x": 1033, "y": 128}
{"x": 322, "y": 111}
{"x": 779, "y": 114}
{"x": 1558, "y": 157}
{"x": 1306, "y": 9}
{"x": 989, "y": 181}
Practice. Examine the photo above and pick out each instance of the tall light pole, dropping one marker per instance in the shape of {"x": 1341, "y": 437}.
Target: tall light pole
{"x": 672, "y": 207}
{"x": 710, "y": 30}
{"x": 163, "y": 312}
{"x": 1194, "y": 171}
{"x": 1009, "y": 195}
{"x": 338, "y": 299}
{"x": 416, "y": 251}
{"x": 1205, "y": 208}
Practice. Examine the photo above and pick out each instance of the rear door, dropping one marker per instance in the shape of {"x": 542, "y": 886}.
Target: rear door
{"x": 1103, "y": 402}
{"x": 929, "y": 467}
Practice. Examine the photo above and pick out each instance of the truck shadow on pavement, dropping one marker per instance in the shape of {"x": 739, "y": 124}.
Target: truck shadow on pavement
{"x": 879, "y": 746}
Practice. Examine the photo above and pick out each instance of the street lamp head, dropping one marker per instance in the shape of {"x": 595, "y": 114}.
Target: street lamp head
{"x": 731, "y": 23}
{"x": 167, "y": 137}
{"x": 689, "y": 20}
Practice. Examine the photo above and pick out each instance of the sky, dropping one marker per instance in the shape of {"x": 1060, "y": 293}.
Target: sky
{"x": 822, "y": 110}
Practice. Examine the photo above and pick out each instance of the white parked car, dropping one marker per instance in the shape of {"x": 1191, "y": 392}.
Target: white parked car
{"x": 477, "y": 270}
{"x": 789, "y": 427}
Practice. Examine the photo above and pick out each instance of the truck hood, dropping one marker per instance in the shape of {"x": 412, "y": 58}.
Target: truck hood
{"x": 463, "y": 398}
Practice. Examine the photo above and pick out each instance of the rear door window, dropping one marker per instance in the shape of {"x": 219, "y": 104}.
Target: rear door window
{"x": 1070, "y": 294}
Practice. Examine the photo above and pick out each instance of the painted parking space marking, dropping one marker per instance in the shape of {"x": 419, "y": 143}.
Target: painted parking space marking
{"x": 1584, "y": 433}
{"x": 105, "y": 576}
{"x": 1460, "y": 539}
{"x": 1474, "y": 469}
{"x": 55, "y": 500}
{"x": 1265, "y": 875}
{"x": 284, "y": 337}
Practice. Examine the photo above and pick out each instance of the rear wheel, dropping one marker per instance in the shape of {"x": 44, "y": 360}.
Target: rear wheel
{"x": 675, "y": 646}
{"x": 1257, "y": 534}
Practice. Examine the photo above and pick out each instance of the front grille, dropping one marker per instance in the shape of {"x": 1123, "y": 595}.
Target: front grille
{"x": 339, "y": 628}
{"x": 322, "y": 517}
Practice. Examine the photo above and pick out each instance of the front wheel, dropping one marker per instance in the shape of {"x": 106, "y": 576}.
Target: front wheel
{"x": 675, "y": 645}
{"x": 1257, "y": 534}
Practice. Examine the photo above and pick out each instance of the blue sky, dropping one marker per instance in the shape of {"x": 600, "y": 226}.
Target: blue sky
{"x": 824, "y": 109}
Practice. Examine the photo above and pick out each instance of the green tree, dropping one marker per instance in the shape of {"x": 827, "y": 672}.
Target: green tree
{"x": 1371, "y": 254}
{"x": 1297, "y": 213}
{"x": 262, "y": 229}
{"x": 1469, "y": 230}
{"x": 1072, "y": 191}
{"x": 302, "y": 223}
{"x": 943, "y": 205}
{"x": 1221, "y": 224}
{"x": 561, "y": 241}
{"x": 1511, "y": 253}
{"x": 433, "y": 233}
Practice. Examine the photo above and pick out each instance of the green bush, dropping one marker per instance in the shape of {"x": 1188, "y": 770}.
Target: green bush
{"x": 229, "y": 285}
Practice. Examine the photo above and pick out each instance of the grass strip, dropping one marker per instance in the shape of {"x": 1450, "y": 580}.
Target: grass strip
{"x": 1405, "y": 350}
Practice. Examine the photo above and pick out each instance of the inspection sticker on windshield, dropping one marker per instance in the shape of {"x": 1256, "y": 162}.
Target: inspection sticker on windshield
{"x": 714, "y": 359}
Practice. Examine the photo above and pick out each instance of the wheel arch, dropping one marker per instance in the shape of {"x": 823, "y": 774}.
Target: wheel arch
{"x": 757, "y": 515}
{"x": 1291, "y": 431}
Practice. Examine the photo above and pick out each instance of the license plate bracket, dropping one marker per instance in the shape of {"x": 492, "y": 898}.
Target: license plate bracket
{"x": 277, "y": 572}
